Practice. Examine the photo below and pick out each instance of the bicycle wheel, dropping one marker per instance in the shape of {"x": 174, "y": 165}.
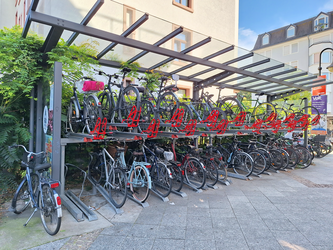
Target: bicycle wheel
{"x": 147, "y": 113}
{"x": 293, "y": 157}
{"x": 161, "y": 179}
{"x": 21, "y": 199}
{"x": 276, "y": 159}
{"x": 130, "y": 98}
{"x": 263, "y": 111}
{"x": 259, "y": 161}
{"x": 93, "y": 112}
{"x": 281, "y": 114}
{"x": 310, "y": 111}
{"x": 117, "y": 187}
{"x": 106, "y": 105}
{"x": 220, "y": 161}
{"x": 195, "y": 173}
{"x": 187, "y": 114}
{"x": 202, "y": 110}
{"x": 139, "y": 183}
{"x": 96, "y": 168}
{"x": 167, "y": 105}
{"x": 231, "y": 106}
{"x": 222, "y": 115}
{"x": 177, "y": 178}
{"x": 285, "y": 158}
{"x": 306, "y": 158}
{"x": 48, "y": 211}
{"x": 242, "y": 164}
{"x": 212, "y": 175}
{"x": 72, "y": 120}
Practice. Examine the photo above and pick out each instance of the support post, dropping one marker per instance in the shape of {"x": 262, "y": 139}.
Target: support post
{"x": 57, "y": 171}
{"x": 32, "y": 120}
{"x": 39, "y": 118}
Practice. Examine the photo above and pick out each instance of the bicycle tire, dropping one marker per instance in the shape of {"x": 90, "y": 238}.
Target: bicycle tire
{"x": 167, "y": 104}
{"x": 221, "y": 166}
{"x": 117, "y": 187}
{"x": 231, "y": 106}
{"x": 212, "y": 175}
{"x": 130, "y": 98}
{"x": 293, "y": 157}
{"x": 139, "y": 183}
{"x": 281, "y": 114}
{"x": 96, "y": 168}
{"x": 72, "y": 118}
{"x": 285, "y": 157}
{"x": 222, "y": 115}
{"x": 202, "y": 111}
{"x": 188, "y": 115}
{"x": 307, "y": 159}
{"x": 147, "y": 113}
{"x": 195, "y": 174}
{"x": 106, "y": 105}
{"x": 276, "y": 159}
{"x": 259, "y": 161}
{"x": 21, "y": 199}
{"x": 312, "y": 111}
{"x": 177, "y": 177}
{"x": 93, "y": 112}
{"x": 242, "y": 164}
{"x": 48, "y": 211}
{"x": 263, "y": 111}
{"x": 161, "y": 179}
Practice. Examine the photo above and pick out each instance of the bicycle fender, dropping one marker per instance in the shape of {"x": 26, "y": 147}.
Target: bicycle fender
{"x": 58, "y": 203}
{"x": 96, "y": 100}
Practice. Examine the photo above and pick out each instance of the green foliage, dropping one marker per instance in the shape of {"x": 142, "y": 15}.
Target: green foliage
{"x": 152, "y": 83}
{"x": 134, "y": 66}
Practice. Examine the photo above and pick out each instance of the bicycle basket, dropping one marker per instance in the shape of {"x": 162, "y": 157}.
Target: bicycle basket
{"x": 34, "y": 159}
{"x": 168, "y": 156}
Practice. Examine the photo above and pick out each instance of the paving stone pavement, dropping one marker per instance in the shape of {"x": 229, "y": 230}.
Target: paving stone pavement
{"x": 286, "y": 210}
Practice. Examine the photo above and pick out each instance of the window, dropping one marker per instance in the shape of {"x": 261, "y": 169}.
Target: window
{"x": 294, "y": 48}
{"x": 321, "y": 22}
{"x": 128, "y": 20}
{"x": 291, "y": 31}
{"x": 184, "y": 4}
{"x": 326, "y": 57}
{"x": 265, "y": 39}
{"x": 181, "y": 93}
{"x": 182, "y": 41}
{"x": 286, "y": 50}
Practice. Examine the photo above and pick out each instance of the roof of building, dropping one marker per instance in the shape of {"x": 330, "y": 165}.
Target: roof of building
{"x": 303, "y": 28}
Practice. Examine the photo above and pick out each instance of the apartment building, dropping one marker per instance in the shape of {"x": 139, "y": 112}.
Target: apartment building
{"x": 299, "y": 45}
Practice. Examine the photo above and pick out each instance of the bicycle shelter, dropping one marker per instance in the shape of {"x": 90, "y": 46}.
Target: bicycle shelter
{"x": 208, "y": 62}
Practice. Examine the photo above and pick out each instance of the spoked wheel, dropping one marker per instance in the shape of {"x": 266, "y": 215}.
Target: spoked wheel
{"x": 139, "y": 185}
{"x": 187, "y": 114}
{"x": 293, "y": 157}
{"x": 21, "y": 198}
{"x": 310, "y": 111}
{"x": 128, "y": 100}
{"x": 48, "y": 212}
{"x": 72, "y": 119}
{"x": 106, "y": 106}
{"x": 212, "y": 174}
{"x": 117, "y": 187}
{"x": 167, "y": 104}
{"x": 243, "y": 164}
{"x": 93, "y": 112}
{"x": 147, "y": 114}
{"x": 231, "y": 106}
{"x": 259, "y": 162}
{"x": 161, "y": 180}
{"x": 177, "y": 178}
{"x": 281, "y": 114}
{"x": 96, "y": 168}
{"x": 195, "y": 173}
{"x": 202, "y": 111}
{"x": 264, "y": 110}
{"x": 221, "y": 167}
{"x": 276, "y": 159}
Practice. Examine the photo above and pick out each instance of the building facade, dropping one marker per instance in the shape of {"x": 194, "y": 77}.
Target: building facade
{"x": 299, "y": 45}
{"x": 219, "y": 20}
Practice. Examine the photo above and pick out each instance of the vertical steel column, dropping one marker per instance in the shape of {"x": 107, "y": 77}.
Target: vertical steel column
{"x": 306, "y": 103}
{"x": 195, "y": 91}
{"x": 39, "y": 118}
{"x": 57, "y": 171}
{"x": 32, "y": 120}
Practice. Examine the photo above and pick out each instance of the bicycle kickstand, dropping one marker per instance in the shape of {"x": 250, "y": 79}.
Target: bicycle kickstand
{"x": 31, "y": 216}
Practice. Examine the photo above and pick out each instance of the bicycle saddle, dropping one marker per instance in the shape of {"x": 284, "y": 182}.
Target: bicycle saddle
{"x": 126, "y": 70}
{"x": 210, "y": 96}
{"x": 170, "y": 87}
{"x": 120, "y": 149}
{"x": 141, "y": 89}
{"x": 158, "y": 150}
{"x": 260, "y": 94}
{"x": 137, "y": 153}
{"x": 163, "y": 78}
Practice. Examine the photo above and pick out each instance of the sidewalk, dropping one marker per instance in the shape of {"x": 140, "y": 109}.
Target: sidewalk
{"x": 286, "y": 210}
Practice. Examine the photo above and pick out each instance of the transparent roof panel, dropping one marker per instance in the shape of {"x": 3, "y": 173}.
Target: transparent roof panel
{"x": 215, "y": 56}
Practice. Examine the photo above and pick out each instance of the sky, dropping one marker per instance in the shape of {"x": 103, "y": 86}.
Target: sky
{"x": 259, "y": 16}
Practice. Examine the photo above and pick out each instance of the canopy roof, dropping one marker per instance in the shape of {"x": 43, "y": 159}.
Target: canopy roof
{"x": 206, "y": 62}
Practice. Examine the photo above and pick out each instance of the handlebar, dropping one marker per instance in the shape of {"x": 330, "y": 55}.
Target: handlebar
{"x": 29, "y": 152}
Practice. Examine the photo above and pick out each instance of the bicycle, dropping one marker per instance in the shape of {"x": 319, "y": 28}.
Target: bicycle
{"x": 38, "y": 191}
{"x": 87, "y": 113}
{"x": 116, "y": 107}
{"x": 109, "y": 172}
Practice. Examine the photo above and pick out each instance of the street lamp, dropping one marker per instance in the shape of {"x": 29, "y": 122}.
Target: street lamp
{"x": 330, "y": 68}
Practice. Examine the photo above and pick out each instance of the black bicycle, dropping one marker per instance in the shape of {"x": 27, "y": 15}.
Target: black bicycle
{"x": 37, "y": 190}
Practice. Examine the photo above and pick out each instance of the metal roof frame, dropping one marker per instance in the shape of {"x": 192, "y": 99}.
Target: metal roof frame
{"x": 58, "y": 25}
